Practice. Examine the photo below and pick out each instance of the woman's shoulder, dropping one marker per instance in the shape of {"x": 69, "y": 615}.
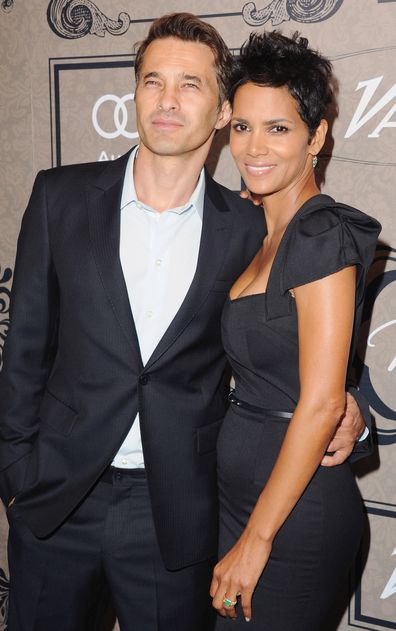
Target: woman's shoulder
{"x": 322, "y": 212}
{"x": 325, "y": 236}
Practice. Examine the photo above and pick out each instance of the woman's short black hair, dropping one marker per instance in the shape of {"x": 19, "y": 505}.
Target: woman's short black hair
{"x": 274, "y": 60}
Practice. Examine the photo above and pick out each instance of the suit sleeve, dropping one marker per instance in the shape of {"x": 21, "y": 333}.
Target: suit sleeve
{"x": 33, "y": 317}
{"x": 362, "y": 448}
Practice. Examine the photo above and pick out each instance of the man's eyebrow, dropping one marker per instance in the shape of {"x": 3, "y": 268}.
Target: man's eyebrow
{"x": 153, "y": 74}
{"x": 186, "y": 77}
{"x": 192, "y": 77}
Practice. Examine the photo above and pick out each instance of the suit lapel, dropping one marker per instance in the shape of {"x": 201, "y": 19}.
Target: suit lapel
{"x": 103, "y": 200}
{"x": 216, "y": 229}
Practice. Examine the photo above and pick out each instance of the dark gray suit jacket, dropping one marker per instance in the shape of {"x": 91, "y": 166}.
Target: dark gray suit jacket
{"x": 73, "y": 378}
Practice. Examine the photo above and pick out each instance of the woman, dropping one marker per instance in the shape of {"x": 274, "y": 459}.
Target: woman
{"x": 289, "y": 529}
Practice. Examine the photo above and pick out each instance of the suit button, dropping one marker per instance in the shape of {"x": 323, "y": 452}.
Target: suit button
{"x": 144, "y": 379}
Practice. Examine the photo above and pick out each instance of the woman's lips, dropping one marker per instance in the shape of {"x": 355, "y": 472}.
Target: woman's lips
{"x": 259, "y": 169}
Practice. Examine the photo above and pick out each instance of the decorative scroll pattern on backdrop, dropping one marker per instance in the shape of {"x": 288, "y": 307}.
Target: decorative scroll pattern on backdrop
{"x": 72, "y": 19}
{"x": 4, "y": 590}
{"x": 7, "y": 5}
{"x": 279, "y": 11}
{"x": 377, "y": 364}
{"x": 5, "y": 277}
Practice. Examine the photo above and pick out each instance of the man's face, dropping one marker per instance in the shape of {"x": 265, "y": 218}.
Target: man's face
{"x": 177, "y": 98}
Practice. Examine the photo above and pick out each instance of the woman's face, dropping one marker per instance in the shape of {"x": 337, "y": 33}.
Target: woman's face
{"x": 269, "y": 140}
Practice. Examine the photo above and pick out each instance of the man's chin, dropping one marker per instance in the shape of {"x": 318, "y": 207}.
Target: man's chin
{"x": 166, "y": 147}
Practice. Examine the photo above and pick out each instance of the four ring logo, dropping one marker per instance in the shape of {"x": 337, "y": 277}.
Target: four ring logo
{"x": 120, "y": 116}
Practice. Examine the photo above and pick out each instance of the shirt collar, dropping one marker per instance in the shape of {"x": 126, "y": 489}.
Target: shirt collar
{"x": 129, "y": 195}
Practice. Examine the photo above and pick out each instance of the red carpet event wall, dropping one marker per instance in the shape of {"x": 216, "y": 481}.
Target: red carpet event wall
{"x": 67, "y": 84}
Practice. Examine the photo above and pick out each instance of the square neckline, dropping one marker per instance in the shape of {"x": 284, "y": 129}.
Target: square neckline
{"x": 281, "y": 242}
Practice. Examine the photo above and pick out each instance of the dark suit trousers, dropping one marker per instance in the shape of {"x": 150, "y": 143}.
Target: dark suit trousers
{"x": 106, "y": 549}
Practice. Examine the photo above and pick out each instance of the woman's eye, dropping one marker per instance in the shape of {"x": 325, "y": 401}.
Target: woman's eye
{"x": 279, "y": 129}
{"x": 240, "y": 127}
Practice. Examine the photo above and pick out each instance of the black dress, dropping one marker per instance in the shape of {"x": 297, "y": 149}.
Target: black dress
{"x": 316, "y": 545}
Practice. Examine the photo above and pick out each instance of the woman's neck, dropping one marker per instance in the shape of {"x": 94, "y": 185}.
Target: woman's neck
{"x": 280, "y": 207}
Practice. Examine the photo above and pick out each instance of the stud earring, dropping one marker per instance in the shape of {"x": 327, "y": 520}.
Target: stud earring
{"x": 314, "y": 161}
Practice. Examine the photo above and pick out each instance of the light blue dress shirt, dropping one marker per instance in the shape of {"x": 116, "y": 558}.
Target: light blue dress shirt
{"x": 159, "y": 253}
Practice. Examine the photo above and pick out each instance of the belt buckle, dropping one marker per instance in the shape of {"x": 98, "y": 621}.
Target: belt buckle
{"x": 232, "y": 398}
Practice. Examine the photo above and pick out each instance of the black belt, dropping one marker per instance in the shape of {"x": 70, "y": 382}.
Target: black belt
{"x": 254, "y": 408}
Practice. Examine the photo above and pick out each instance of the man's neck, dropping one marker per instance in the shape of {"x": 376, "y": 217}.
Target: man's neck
{"x": 164, "y": 182}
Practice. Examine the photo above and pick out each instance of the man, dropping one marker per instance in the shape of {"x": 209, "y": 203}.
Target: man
{"x": 114, "y": 382}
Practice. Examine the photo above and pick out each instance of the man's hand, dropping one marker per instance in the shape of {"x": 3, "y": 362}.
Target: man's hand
{"x": 256, "y": 199}
{"x": 348, "y": 432}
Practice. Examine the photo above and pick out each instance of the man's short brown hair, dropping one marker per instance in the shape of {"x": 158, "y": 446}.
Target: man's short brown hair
{"x": 189, "y": 28}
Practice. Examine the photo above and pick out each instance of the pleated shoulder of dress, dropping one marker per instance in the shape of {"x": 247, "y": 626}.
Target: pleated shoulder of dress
{"x": 324, "y": 237}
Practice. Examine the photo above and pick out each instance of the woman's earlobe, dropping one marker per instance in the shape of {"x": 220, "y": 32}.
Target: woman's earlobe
{"x": 320, "y": 135}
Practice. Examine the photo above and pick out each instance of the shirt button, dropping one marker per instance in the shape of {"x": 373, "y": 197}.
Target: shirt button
{"x": 158, "y": 262}
{"x": 150, "y": 314}
{"x": 124, "y": 461}
{"x": 144, "y": 379}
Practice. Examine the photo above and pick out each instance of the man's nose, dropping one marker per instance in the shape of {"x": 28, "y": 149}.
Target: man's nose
{"x": 168, "y": 100}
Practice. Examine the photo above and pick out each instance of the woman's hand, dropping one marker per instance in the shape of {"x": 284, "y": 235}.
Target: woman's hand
{"x": 237, "y": 574}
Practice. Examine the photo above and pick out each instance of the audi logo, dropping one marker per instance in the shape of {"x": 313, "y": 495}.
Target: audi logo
{"x": 120, "y": 116}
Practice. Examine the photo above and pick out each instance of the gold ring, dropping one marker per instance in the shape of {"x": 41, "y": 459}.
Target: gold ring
{"x": 227, "y": 602}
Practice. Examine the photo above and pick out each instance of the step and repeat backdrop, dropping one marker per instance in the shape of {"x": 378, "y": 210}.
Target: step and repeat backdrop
{"x": 66, "y": 96}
